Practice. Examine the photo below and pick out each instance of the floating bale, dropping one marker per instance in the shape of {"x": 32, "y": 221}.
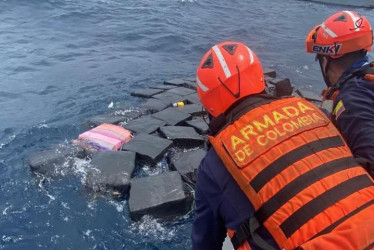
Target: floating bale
{"x": 155, "y": 105}
{"x": 111, "y": 170}
{"x": 193, "y": 109}
{"x": 309, "y": 95}
{"x": 163, "y": 86}
{"x": 50, "y": 161}
{"x": 146, "y": 93}
{"x": 268, "y": 79}
{"x": 161, "y": 196}
{"x": 149, "y": 148}
{"x": 192, "y": 99}
{"x": 187, "y": 164}
{"x": 283, "y": 87}
{"x": 175, "y": 82}
{"x": 185, "y": 137}
{"x": 145, "y": 124}
{"x": 181, "y": 91}
{"x": 169, "y": 97}
{"x": 172, "y": 116}
{"x": 191, "y": 85}
{"x": 269, "y": 72}
{"x": 199, "y": 125}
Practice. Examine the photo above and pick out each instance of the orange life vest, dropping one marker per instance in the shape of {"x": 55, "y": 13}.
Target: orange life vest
{"x": 293, "y": 165}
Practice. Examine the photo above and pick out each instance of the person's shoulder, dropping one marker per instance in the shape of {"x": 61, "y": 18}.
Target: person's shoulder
{"x": 212, "y": 167}
{"x": 356, "y": 90}
{"x": 367, "y": 85}
{"x": 210, "y": 161}
{"x": 358, "y": 83}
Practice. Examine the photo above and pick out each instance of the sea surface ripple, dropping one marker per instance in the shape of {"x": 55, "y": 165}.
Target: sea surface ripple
{"x": 63, "y": 61}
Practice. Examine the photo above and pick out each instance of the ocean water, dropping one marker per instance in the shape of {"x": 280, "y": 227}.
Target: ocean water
{"x": 63, "y": 61}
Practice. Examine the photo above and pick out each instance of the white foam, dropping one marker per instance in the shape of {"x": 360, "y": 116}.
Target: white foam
{"x": 43, "y": 180}
{"x": 150, "y": 227}
{"x": 65, "y": 205}
{"x": 301, "y": 69}
{"x": 190, "y": 149}
{"x": 118, "y": 205}
{"x": 124, "y": 123}
{"x": 42, "y": 125}
{"x": 92, "y": 205}
{"x": 12, "y": 239}
{"x": 54, "y": 238}
{"x": 5, "y": 211}
{"x": 87, "y": 233}
{"x": 7, "y": 141}
{"x": 80, "y": 167}
{"x": 160, "y": 168}
{"x": 124, "y": 112}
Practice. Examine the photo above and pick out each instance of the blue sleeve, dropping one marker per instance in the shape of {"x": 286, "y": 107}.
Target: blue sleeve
{"x": 356, "y": 123}
{"x": 209, "y": 230}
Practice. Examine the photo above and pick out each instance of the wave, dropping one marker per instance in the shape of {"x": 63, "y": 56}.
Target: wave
{"x": 356, "y": 3}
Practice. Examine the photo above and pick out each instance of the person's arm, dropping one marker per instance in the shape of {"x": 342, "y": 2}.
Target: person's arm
{"x": 355, "y": 120}
{"x": 208, "y": 231}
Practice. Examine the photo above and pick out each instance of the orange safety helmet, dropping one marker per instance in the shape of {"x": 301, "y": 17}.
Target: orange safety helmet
{"x": 228, "y": 72}
{"x": 342, "y": 33}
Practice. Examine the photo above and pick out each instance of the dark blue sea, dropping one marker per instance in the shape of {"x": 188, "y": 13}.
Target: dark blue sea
{"x": 63, "y": 61}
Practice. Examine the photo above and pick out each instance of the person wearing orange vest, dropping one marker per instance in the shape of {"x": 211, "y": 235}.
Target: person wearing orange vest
{"x": 279, "y": 174}
{"x": 341, "y": 44}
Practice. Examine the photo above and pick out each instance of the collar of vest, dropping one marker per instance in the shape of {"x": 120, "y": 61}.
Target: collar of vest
{"x": 244, "y": 105}
{"x": 366, "y": 71}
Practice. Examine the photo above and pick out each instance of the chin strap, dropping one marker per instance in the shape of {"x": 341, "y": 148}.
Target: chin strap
{"x": 324, "y": 70}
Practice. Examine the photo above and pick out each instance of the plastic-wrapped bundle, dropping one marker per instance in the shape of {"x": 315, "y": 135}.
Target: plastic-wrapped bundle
{"x": 104, "y": 137}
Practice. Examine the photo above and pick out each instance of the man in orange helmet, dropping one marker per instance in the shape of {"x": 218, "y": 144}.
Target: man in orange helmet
{"x": 278, "y": 174}
{"x": 341, "y": 44}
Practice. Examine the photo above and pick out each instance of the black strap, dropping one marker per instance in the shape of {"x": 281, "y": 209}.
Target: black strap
{"x": 242, "y": 234}
{"x": 341, "y": 220}
{"x": 300, "y": 183}
{"x": 338, "y": 85}
{"x": 370, "y": 246}
{"x": 291, "y": 157}
{"x": 367, "y": 71}
{"x": 324, "y": 201}
{"x": 248, "y": 230}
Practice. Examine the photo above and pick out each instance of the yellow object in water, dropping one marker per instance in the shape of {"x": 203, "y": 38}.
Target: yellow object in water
{"x": 178, "y": 104}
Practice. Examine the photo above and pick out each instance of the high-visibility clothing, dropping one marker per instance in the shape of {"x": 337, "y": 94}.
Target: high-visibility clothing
{"x": 294, "y": 167}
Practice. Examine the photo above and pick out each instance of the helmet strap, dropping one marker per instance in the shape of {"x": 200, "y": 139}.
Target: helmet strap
{"x": 326, "y": 69}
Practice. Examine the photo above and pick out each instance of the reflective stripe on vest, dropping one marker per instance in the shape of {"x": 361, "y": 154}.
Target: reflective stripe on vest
{"x": 299, "y": 175}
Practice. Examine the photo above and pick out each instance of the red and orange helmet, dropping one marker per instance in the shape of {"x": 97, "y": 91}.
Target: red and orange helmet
{"x": 342, "y": 33}
{"x": 228, "y": 72}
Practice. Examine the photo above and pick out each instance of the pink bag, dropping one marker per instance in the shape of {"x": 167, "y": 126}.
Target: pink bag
{"x": 104, "y": 137}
